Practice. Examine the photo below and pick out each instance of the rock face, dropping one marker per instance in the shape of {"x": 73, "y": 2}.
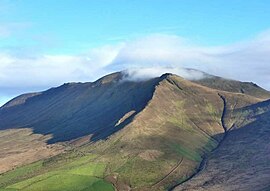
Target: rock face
{"x": 161, "y": 133}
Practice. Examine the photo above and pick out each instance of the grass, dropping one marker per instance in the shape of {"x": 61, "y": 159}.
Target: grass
{"x": 177, "y": 123}
{"x": 65, "y": 182}
{"x": 19, "y": 173}
{"x": 188, "y": 153}
{"x": 212, "y": 111}
{"x": 210, "y": 145}
{"x": 81, "y": 173}
{"x": 139, "y": 172}
{"x": 89, "y": 170}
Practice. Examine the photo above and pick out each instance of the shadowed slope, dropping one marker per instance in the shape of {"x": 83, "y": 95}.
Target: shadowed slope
{"x": 77, "y": 109}
{"x": 242, "y": 162}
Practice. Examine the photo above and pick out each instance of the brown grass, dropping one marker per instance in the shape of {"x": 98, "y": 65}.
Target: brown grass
{"x": 21, "y": 146}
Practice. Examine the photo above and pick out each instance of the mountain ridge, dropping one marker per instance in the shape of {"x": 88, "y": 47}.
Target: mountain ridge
{"x": 211, "y": 81}
{"x": 150, "y": 135}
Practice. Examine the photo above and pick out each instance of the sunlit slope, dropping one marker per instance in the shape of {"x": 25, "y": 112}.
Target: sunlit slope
{"x": 174, "y": 131}
{"x": 146, "y": 135}
{"x": 247, "y": 88}
{"x": 242, "y": 161}
{"x": 165, "y": 143}
{"x": 66, "y": 172}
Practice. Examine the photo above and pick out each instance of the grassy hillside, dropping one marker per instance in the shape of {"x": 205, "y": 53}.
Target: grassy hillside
{"x": 242, "y": 161}
{"x": 64, "y": 172}
{"x": 21, "y": 146}
{"x": 147, "y": 135}
{"x": 66, "y": 113}
{"x": 247, "y": 88}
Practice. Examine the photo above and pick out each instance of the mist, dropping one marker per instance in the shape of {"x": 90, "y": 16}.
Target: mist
{"x": 142, "y": 74}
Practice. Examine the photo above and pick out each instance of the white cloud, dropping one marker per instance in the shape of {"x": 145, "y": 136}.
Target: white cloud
{"x": 51, "y": 70}
{"x": 141, "y": 74}
{"x": 157, "y": 54}
{"x": 246, "y": 61}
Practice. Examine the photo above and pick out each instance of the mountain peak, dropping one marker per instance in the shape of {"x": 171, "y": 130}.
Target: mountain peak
{"x": 134, "y": 126}
{"x": 110, "y": 78}
{"x": 166, "y": 75}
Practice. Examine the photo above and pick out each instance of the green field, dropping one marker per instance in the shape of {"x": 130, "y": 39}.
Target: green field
{"x": 63, "y": 181}
{"x": 78, "y": 174}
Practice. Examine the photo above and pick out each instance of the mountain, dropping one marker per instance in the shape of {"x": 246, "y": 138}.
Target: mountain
{"x": 248, "y": 88}
{"x": 158, "y": 134}
{"x": 242, "y": 160}
{"x": 77, "y": 109}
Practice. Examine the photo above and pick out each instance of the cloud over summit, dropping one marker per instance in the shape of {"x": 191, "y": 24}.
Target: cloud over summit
{"x": 157, "y": 54}
{"x": 141, "y": 74}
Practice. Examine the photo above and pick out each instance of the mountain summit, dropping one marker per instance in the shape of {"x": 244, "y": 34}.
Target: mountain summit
{"x": 156, "y": 134}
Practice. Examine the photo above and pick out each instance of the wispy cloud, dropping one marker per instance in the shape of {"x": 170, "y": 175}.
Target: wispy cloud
{"x": 246, "y": 61}
{"x": 157, "y": 54}
{"x": 24, "y": 70}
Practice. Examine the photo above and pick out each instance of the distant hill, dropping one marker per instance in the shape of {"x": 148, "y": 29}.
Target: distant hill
{"x": 248, "y": 88}
{"x": 158, "y": 134}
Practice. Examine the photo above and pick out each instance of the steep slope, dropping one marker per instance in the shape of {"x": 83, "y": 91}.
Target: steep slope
{"x": 171, "y": 136}
{"x": 30, "y": 122}
{"x": 148, "y": 135}
{"x": 242, "y": 161}
{"x": 77, "y": 109}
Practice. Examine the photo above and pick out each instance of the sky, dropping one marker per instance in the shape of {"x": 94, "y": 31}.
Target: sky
{"x": 46, "y": 43}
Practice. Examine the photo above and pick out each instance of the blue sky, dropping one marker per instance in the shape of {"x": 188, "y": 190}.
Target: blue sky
{"x": 68, "y": 26}
{"x": 47, "y": 42}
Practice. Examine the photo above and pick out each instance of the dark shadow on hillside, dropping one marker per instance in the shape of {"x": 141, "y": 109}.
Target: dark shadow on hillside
{"x": 78, "y": 109}
{"x": 260, "y": 107}
{"x": 241, "y": 162}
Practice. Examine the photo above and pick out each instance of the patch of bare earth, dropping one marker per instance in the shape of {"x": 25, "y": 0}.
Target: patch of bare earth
{"x": 126, "y": 116}
{"x": 150, "y": 155}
